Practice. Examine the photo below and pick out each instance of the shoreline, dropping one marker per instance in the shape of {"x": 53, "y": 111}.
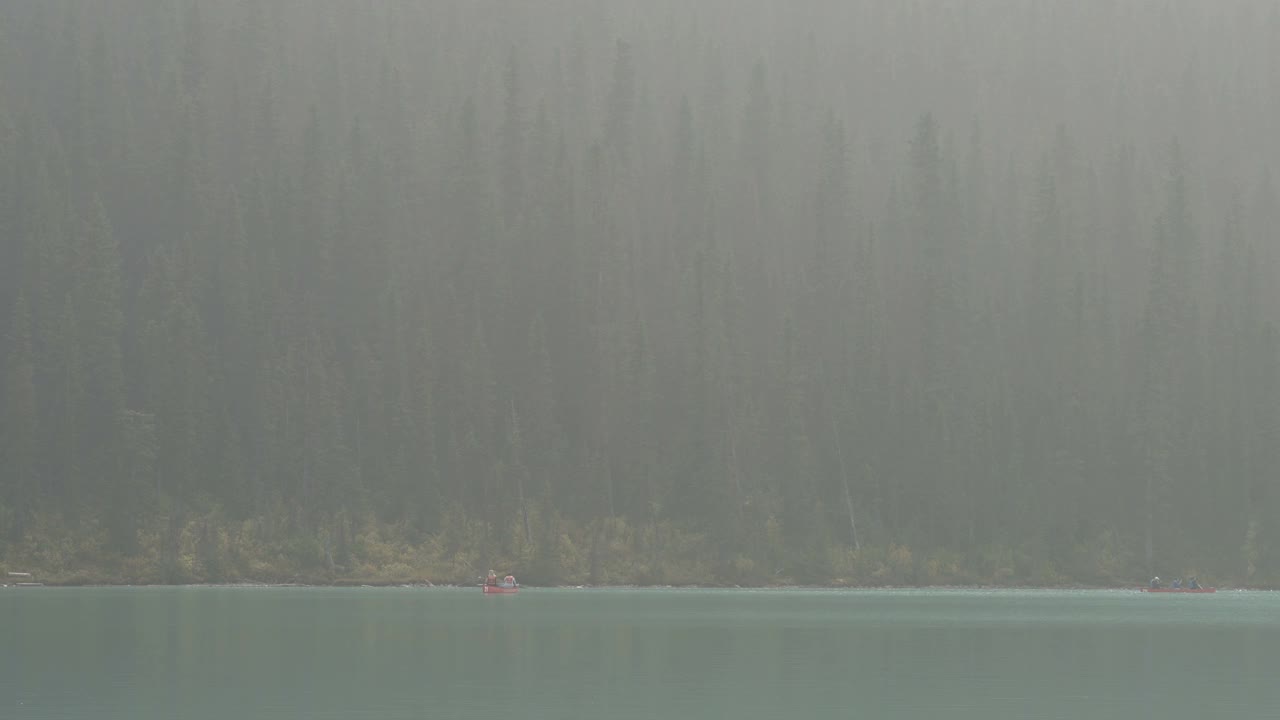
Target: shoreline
{"x": 427, "y": 585}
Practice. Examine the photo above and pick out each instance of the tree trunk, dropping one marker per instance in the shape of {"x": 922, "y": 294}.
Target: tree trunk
{"x": 844, "y": 476}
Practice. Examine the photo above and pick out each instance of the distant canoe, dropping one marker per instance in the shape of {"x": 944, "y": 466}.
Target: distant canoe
{"x": 500, "y": 589}
{"x": 1178, "y": 590}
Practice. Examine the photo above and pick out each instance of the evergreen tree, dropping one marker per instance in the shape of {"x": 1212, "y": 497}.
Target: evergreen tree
{"x": 21, "y": 484}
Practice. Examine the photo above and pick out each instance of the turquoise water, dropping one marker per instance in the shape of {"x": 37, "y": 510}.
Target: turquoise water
{"x": 140, "y": 653}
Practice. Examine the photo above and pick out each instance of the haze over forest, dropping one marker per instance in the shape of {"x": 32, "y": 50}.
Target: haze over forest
{"x": 724, "y": 291}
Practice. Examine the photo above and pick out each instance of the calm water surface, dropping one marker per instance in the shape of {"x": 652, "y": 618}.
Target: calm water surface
{"x": 220, "y": 653}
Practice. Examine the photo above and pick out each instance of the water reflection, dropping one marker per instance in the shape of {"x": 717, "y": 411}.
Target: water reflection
{"x": 353, "y": 654}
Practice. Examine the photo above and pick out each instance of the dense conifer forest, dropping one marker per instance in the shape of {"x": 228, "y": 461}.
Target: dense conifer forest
{"x": 662, "y": 292}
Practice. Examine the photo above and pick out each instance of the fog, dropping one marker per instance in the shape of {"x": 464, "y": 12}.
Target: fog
{"x": 648, "y": 292}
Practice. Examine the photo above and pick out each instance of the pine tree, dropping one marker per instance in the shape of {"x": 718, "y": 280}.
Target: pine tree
{"x": 1169, "y": 351}
{"x": 100, "y": 324}
{"x": 20, "y": 489}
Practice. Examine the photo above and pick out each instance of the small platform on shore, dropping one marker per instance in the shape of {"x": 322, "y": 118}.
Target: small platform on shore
{"x": 23, "y": 579}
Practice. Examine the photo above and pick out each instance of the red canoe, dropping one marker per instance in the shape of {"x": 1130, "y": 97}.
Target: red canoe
{"x": 1180, "y": 590}
{"x": 500, "y": 590}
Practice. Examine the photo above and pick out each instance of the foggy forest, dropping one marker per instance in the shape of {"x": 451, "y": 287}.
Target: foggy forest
{"x": 619, "y": 292}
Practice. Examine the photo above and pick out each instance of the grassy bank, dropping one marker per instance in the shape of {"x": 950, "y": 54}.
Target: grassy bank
{"x": 208, "y": 549}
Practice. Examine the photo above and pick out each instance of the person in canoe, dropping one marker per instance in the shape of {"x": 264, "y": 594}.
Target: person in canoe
{"x": 1192, "y": 584}
{"x": 492, "y": 579}
{"x": 1177, "y": 584}
{"x": 1155, "y": 582}
{"x": 509, "y": 581}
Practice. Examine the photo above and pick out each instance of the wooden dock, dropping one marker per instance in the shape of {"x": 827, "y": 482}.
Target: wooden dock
{"x": 23, "y": 579}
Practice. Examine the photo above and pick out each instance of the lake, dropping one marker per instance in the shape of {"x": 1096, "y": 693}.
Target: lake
{"x": 275, "y": 653}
